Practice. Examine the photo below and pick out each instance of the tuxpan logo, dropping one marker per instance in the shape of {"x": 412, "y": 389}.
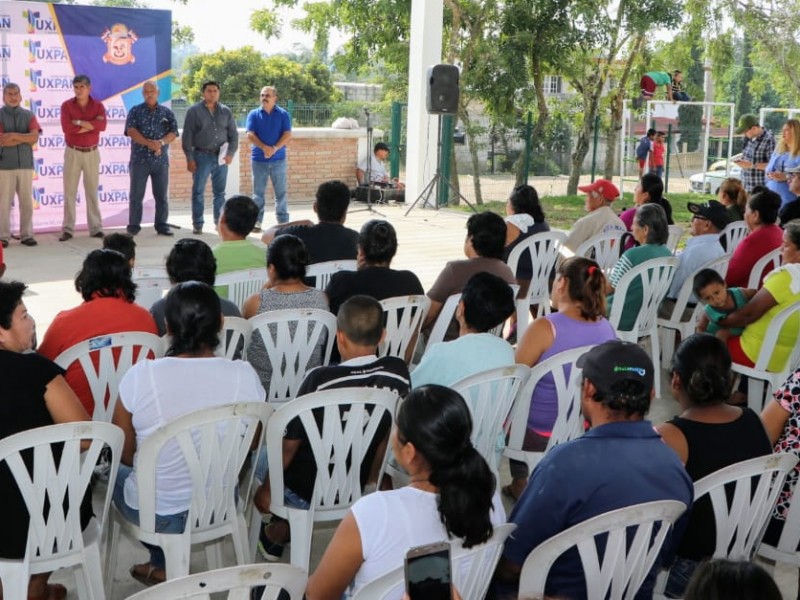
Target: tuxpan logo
{"x": 43, "y": 198}
{"x": 36, "y": 22}
{"x": 112, "y": 196}
{"x": 5, "y": 51}
{"x": 38, "y": 52}
{"x": 41, "y": 82}
{"x": 115, "y": 113}
{"x": 638, "y": 370}
{"x": 115, "y": 141}
{"x": 5, "y": 22}
{"x": 52, "y": 141}
{"x": 43, "y": 169}
{"x": 115, "y": 168}
{"x": 46, "y": 113}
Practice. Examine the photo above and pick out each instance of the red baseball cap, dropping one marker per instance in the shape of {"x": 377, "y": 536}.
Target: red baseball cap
{"x": 607, "y": 189}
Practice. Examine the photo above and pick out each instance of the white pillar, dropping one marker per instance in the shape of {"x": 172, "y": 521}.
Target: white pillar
{"x": 425, "y": 50}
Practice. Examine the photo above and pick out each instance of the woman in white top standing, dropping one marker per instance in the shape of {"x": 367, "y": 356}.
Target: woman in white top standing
{"x": 451, "y": 495}
{"x": 154, "y": 392}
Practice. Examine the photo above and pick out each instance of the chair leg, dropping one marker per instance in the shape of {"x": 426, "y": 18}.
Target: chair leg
{"x": 667, "y": 345}
{"x": 14, "y": 576}
{"x": 755, "y": 394}
{"x": 214, "y": 554}
{"x": 655, "y": 349}
{"x": 240, "y": 538}
{"x": 301, "y": 523}
{"x": 89, "y": 585}
{"x": 177, "y": 550}
{"x": 523, "y": 316}
{"x": 256, "y": 523}
{"x": 112, "y": 549}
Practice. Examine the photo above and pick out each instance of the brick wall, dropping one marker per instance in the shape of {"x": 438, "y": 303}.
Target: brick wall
{"x": 314, "y": 155}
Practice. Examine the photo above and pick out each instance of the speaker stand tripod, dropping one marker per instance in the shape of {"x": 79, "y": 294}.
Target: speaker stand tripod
{"x": 437, "y": 180}
{"x": 369, "y": 188}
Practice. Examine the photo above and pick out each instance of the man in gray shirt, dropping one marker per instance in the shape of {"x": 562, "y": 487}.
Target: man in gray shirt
{"x": 208, "y": 132}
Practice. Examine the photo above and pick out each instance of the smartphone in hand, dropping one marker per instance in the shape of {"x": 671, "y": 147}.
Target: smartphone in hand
{"x": 428, "y": 572}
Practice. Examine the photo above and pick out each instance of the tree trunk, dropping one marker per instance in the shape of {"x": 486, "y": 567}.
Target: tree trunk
{"x": 612, "y": 137}
{"x": 542, "y": 116}
{"x": 473, "y": 154}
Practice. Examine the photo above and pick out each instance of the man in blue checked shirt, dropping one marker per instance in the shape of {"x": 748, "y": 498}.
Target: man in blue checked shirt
{"x": 759, "y": 145}
{"x": 269, "y": 129}
{"x": 151, "y": 127}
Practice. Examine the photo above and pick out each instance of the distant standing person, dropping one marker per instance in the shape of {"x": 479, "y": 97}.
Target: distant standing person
{"x": 208, "y": 131}
{"x": 759, "y": 145}
{"x": 82, "y": 120}
{"x": 151, "y": 127}
{"x": 657, "y": 160}
{"x": 269, "y": 129}
{"x": 19, "y": 131}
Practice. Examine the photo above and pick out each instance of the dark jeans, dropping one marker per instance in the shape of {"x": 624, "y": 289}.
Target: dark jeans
{"x": 159, "y": 179}
{"x": 208, "y": 165}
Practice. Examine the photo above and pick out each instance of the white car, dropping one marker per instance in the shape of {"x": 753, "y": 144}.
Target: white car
{"x": 715, "y": 176}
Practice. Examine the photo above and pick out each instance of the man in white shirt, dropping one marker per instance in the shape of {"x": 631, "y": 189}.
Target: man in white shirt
{"x": 601, "y": 218}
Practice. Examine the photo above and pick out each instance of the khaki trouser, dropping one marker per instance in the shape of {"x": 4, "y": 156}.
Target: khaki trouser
{"x": 19, "y": 182}
{"x": 88, "y": 163}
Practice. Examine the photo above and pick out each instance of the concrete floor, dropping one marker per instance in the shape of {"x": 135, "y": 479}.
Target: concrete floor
{"x": 427, "y": 239}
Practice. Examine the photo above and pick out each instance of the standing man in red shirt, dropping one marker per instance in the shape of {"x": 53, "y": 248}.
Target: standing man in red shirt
{"x": 82, "y": 120}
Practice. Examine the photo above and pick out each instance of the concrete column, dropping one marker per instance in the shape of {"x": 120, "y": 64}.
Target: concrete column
{"x": 425, "y": 51}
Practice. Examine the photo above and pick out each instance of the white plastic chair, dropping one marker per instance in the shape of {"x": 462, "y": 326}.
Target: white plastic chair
{"x": 290, "y": 337}
{"x": 734, "y": 233}
{"x": 655, "y": 276}
{"x": 489, "y": 396}
{"x": 675, "y": 325}
{"x": 625, "y": 563}
{"x": 544, "y": 249}
{"x": 323, "y": 271}
{"x": 55, "y": 539}
{"x": 569, "y": 422}
{"x": 603, "y": 248}
{"x": 758, "y": 375}
{"x": 238, "y": 581}
{"x": 472, "y": 570}
{"x": 214, "y": 443}
{"x": 234, "y": 338}
{"x": 241, "y": 284}
{"x": 675, "y": 235}
{"x": 785, "y": 550}
{"x": 771, "y": 259}
{"x": 105, "y": 359}
{"x": 151, "y": 284}
{"x": 349, "y": 419}
{"x": 404, "y": 317}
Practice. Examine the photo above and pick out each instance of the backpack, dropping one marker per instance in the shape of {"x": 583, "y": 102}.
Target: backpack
{"x": 643, "y": 148}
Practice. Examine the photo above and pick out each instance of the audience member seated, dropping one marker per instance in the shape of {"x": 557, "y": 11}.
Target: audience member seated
{"x": 451, "y": 495}
{"x": 721, "y": 579}
{"x": 651, "y": 231}
{"x": 190, "y": 260}
{"x": 329, "y": 239}
{"x": 524, "y": 218}
{"x": 35, "y": 394}
{"x": 483, "y": 247}
{"x": 707, "y": 436}
{"x": 236, "y": 252}
{"x": 708, "y": 221}
{"x": 791, "y": 210}
{"x": 781, "y": 288}
{"x": 486, "y": 302}
{"x": 359, "y": 330}
{"x": 372, "y": 167}
{"x": 649, "y": 190}
{"x": 377, "y": 245}
{"x": 765, "y": 236}
{"x": 619, "y": 462}
{"x": 719, "y": 301}
{"x": 155, "y": 392}
{"x": 580, "y": 302}
{"x": 108, "y": 293}
{"x": 601, "y": 218}
{"x": 733, "y": 197}
{"x": 122, "y": 243}
{"x": 287, "y": 259}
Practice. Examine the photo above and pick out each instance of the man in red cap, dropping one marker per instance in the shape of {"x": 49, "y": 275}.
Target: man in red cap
{"x": 601, "y": 218}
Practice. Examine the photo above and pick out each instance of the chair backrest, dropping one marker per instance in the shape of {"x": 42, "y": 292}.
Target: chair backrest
{"x": 472, "y": 570}
{"x": 240, "y": 582}
{"x": 771, "y": 260}
{"x": 241, "y": 284}
{"x": 733, "y": 234}
{"x": 720, "y": 265}
{"x": 603, "y": 248}
{"x": 105, "y": 359}
{"x": 489, "y": 396}
{"x": 151, "y": 283}
{"x": 771, "y": 339}
{"x": 675, "y": 235}
{"x": 544, "y": 249}
{"x": 634, "y": 536}
{"x": 234, "y": 338}
{"x": 323, "y": 271}
{"x": 404, "y": 317}
{"x": 567, "y": 378}
{"x": 49, "y": 481}
{"x": 743, "y": 496}
{"x": 339, "y": 426}
{"x": 290, "y": 337}
{"x": 785, "y": 549}
{"x": 439, "y": 329}
{"x": 655, "y": 276}
{"x": 214, "y": 443}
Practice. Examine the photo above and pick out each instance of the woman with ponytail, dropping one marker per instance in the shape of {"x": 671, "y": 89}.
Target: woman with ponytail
{"x": 579, "y": 297}
{"x": 450, "y": 496}
{"x": 154, "y": 392}
{"x": 708, "y": 435}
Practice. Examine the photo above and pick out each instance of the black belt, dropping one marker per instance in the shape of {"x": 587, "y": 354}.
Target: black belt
{"x": 82, "y": 148}
{"x": 207, "y": 151}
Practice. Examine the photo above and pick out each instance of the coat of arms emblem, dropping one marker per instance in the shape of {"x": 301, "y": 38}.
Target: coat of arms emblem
{"x": 119, "y": 43}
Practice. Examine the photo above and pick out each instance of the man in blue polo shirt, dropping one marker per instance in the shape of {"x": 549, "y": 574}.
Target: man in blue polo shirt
{"x": 619, "y": 462}
{"x": 269, "y": 129}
